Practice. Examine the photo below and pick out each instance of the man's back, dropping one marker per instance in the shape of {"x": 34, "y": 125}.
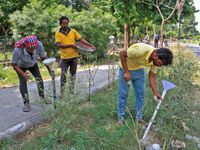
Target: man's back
{"x": 156, "y": 37}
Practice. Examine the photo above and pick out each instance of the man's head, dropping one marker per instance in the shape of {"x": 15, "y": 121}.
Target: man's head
{"x": 64, "y": 23}
{"x": 30, "y": 43}
{"x": 162, "y": 57}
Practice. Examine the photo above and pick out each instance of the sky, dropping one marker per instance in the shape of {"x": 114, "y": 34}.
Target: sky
{"x": 197, "y": 15}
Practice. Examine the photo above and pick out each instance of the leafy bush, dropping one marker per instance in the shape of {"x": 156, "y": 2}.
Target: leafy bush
{"x": 43, "y": 21}
{"x": 2, "y": 73}
{"x": 184, "y": 41}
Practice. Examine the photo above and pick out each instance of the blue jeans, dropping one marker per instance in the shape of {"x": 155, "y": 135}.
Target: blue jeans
{"x": 138, "y": 82}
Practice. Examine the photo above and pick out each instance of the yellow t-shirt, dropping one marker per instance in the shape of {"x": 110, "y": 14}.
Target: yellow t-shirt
{"x": 138, "y": 56}
{"x": 70, "y": 38}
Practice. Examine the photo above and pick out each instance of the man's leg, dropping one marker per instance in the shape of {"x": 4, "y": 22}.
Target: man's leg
{"x": 156, "y": 43}
{"x": 23, "y": 87}
{"x": 73, "y": 68}
{"x": 139, "y": 90}
{"x": 122, "y": 95}
{"x": 64, "y": 64}
{"x": 40, "y": 85}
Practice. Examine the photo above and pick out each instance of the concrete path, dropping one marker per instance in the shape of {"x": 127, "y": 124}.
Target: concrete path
{"x": 13, "y": 120}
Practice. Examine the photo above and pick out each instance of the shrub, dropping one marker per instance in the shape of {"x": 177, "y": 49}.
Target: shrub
{"x": 43, "y": 21}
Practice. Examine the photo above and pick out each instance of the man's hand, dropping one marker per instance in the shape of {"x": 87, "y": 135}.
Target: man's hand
{"x": 94, "y": 48}
{"x": 26, "y": 76}
{"x": 73, "y": 46}
{"x": 127, "y": 76}
{"x": 158, "y": 96}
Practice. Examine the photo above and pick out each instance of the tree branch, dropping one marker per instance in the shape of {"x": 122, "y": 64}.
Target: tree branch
{"x": 3, "y": 29}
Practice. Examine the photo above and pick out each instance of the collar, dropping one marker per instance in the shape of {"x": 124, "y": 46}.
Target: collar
{"x": 26, "y": 52}
{"x": 148, "y": 56}
{"x": 69, "y": 29}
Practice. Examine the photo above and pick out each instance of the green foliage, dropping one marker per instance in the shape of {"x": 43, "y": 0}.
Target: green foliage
{"x": 180, "y": 101}
{"x": 124, "y": 11}
{"x": 8, "y": 76}
{"x": 7, "y": 7}
{"x": 4, "y": 143}
{"x": 197, "y": 37}
{"x": 95, "y": 27}
{"x": 188, "y": 29}
{"x": 42, "y": 21}
{"x": 75, "y": 4}
{"x": 36, "y": 19}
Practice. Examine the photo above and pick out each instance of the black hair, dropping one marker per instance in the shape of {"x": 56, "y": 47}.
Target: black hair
{"x": 165, "y": 55}
{"x": 63, "y": 18}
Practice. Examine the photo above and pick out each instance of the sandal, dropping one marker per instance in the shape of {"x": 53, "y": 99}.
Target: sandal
{"x": 26, "y": 108}
{"x": 142, "y": 122}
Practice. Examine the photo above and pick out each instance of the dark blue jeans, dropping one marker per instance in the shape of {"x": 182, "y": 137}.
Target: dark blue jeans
{"x": 23, "y": 84}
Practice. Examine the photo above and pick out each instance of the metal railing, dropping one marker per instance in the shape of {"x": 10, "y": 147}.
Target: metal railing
{"x": 6, "y": 45}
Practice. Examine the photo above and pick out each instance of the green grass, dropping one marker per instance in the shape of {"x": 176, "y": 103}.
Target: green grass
{"x": 81, "y": 124}
{"x": 9, "y": 77}
{"x": 9, "y": 56}
{"x": 86, "y": 125}
{"x": 92, "y": 125}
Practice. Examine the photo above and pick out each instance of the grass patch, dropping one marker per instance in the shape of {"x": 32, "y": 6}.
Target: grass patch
{"x": 9, "y": 56}
{"x": 9, "y": 77}
{"x": 85, "y": 125}
{"x": 80, "y": 124}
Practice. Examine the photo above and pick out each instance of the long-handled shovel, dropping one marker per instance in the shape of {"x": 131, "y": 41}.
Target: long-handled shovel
{"x": 167, "y": 86}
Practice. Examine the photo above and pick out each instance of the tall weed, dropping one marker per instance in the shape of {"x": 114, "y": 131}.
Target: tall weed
{"x": 180, "y": 101}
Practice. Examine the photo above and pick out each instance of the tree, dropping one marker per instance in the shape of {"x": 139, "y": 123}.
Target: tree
{"x": 166, "y": 10}
{"x": 78, "y": 5}
{"x": 125, "y": 11}
{"x": 188, "y": 27}
{"x": 37, "y": 19}
{"x": 7, "y": 7}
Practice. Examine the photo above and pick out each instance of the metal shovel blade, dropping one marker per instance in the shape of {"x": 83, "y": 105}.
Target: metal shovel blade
{"x": 167, "y": 85}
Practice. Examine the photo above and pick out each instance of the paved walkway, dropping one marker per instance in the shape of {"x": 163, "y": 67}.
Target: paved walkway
{"x": 13, "y": 120}
{"x": 196, "y": 49}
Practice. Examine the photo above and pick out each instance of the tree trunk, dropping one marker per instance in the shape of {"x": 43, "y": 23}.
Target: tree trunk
{"x": 126, "y": 36}
{"x": 161, "y": 34}
{"x": 134, "y": 32}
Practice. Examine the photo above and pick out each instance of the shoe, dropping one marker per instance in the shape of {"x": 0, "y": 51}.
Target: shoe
{"x": 142, "y": 122}
{"x": 26, "y": 108}
{"x": 120, "y": 122}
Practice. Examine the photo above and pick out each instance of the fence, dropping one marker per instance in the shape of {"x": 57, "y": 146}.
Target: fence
{"x": 6, "y": 45}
